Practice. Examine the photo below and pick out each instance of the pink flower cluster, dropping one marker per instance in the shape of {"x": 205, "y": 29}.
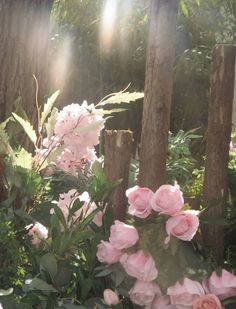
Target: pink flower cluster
{"x": 66, "y": 202}
{"x": 166, "y": 200}
{"x": 192, "y": 294}
{"x": 77, "y": 131}
{"x": 139, "y": 264}
{"x": 188, "y": 294}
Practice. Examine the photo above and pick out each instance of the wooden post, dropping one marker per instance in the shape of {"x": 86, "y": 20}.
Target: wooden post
{"x": 218, "y": 139}
{"x": 118, "y": 152}
{"x": 158, "y": 92}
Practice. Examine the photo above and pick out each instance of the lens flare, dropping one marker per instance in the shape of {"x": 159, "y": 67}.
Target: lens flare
{"x": 108, "y": 22}
{"x": 60, "y": 64}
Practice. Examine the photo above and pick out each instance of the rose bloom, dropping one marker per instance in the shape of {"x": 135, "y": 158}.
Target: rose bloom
{"x": 209, "y": 301}
{"x": 183, "y": 226}
{"x": 140, "y": 201}
{"x": 223, "y": 286}
{"x": 110, "y": 297}
{"x": 168, "y": 200}
{"x": 139, "y": 265}
{"x": 183, "y": 295}
{"x": 106, "y": 253}
{"x": 123, "y": 235}
{"x": 143, "y": 293}
{"x": 161, "y": 302}
{"x": 37, "y": 233}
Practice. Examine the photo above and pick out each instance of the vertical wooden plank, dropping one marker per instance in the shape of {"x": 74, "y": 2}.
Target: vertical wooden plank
{"x": 118, "y": 152}
{"x": 218, "y": 139}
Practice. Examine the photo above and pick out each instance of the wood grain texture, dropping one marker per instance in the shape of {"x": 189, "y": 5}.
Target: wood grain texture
{"x": 158, "y": 92}
{"x": 118, "y": 152}
{"x": 24, "y": 29}
{"x": 218, "y": 140}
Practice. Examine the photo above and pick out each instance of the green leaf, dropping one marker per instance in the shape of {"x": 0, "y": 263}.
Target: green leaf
{"x": 39, "y": 284}
{"x": 8, "y": 202}
{"x": 55, "y": 231}
{"x": 4, "y": 144}
{"x": 174, "y": 245}
{"x": 82, "y": 235}
{"x": 48, "y": 263}
{"x": 6, "y": 292}
{"x": 60, "y": 215}
{"x": 89, "y": 127}
{"x": 88, "y": 219}
{"x": 77, "y": 204}
{"x": 86, "y": 287}
{"x": 184, "y": 8}
{"x": 24, "y": 159}
{"x": 105, "y": 272}
{"x": 28, "y": 128}
{"x": 51, "y": 122}
{"x": 48, "y": 107}
{"x": 23, "y": 214}
{"x": 71, "y": 306}
{"x": 97, "y": 169}
{"x": 114, "y": 110}
{"x": 122, "y": 97}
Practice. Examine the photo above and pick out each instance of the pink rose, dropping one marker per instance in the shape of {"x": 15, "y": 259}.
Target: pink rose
{"x": 123, "y": 235}
{"x": 110, "y": 297}
{"x": 183, "y": 226}
{"x": 209, "y": 301}
{"x": 183, "y": 295}
{"x": 223, "y": 286}
{"x": 168, "y": 200}
{"x": 37, "y": 233}
{"x": 106, "y": 253}
{"x": 143, "y": 293}
{"x": 161, "y": 302}
{"x": 140, "y": 201}
{"x": 139, "y": 265}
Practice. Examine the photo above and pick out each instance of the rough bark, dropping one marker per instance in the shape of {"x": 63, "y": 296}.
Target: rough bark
{"x": 218, "y": 140}
{"x": 24, "y": 28}
{"x": 158, "y": 91}
{"x": 118, "y": 150}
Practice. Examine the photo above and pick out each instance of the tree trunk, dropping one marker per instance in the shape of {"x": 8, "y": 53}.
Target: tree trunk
{"x": 158, "y": 91}
{"x": 118, "y": 152}
{"x": 24, "y": 28}
{"x": 218, "y": 140}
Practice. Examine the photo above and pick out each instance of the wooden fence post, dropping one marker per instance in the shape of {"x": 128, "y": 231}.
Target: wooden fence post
{"x": 217, "y": 152}
{"x": 158, "y": 92}
{"x": 118, "y": 152}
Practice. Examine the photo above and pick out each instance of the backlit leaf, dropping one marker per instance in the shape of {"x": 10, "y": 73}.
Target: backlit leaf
{"x": 28, "y": 128}
{"x": 51, "y": 122}
{"x": 24, "y": 159}
{"x": 48, "y": 106}
{"x": 122, "y": 97}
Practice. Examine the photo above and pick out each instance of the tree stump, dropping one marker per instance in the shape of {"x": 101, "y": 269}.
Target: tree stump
{"x": 217, "y": 152}
{"x": 118, "y": 152}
